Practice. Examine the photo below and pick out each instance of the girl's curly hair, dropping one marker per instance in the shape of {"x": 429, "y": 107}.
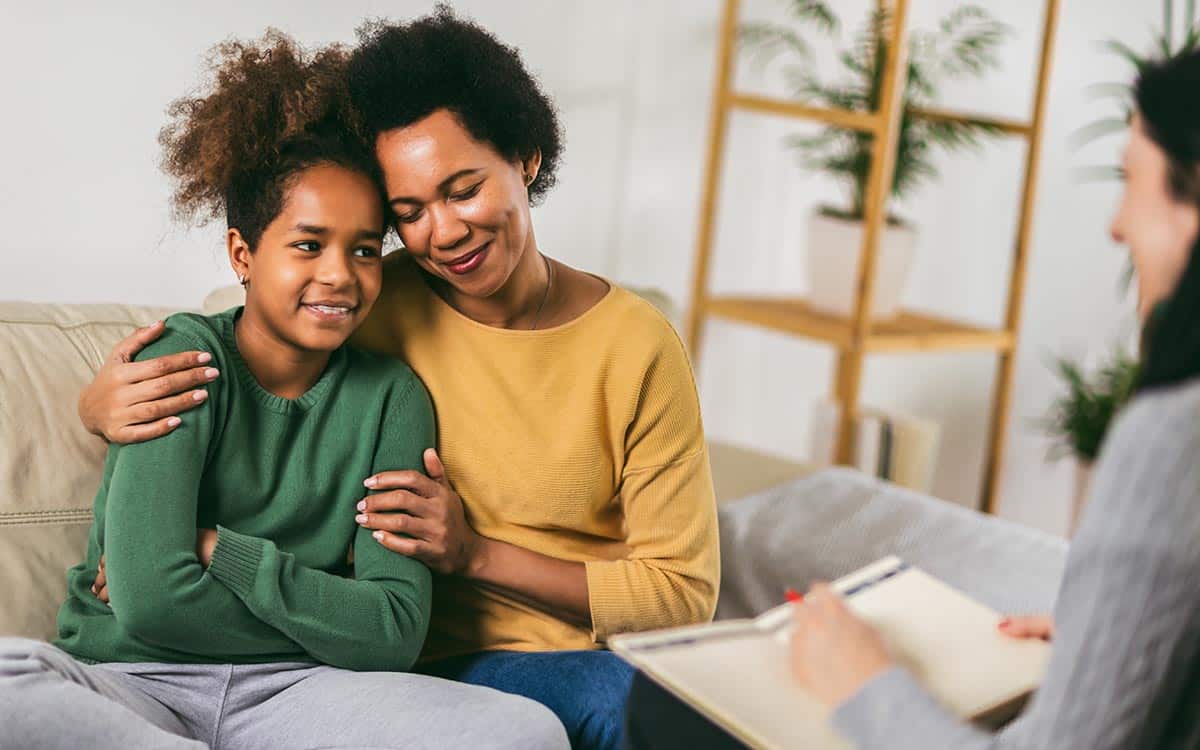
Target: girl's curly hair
{"x": 270, "y": 111}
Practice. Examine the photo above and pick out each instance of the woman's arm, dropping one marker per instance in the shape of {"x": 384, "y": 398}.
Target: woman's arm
{"x": 1127, "y": 631}
{"x": 422, "y": 517}
{"x": 670, "y": 574}
{"x": 132, "y": 401}
{"x": 376, "y": 621}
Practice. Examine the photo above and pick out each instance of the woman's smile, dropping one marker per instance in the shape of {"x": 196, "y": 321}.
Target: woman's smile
{"x": 464, "y": 264}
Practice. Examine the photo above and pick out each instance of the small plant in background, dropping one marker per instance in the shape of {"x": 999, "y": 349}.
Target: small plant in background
{"x": 1080, "y": 417}
{"x": 1165, "y": 42}
{"x": 964, "y": 45}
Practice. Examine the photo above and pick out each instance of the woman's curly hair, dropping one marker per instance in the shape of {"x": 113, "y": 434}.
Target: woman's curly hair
{"x": 270, "y": 111}
{"x": 401, "y": 73}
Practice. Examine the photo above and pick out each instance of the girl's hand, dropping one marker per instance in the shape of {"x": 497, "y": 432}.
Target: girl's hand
{"x": 206, "y": 542}
{"x": 833, "y": 652}
{"x": 421, "y": 517}
{"x": 100, "y": 585}
{"x": 1037, "y": 626}
{"x": 131, "y": 402}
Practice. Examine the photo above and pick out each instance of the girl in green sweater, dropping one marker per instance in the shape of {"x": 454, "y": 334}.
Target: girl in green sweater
{"x": 244, "y": 600}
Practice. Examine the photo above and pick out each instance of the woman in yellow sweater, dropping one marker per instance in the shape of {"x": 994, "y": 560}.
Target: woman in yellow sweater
{"x": 570, "y": 497}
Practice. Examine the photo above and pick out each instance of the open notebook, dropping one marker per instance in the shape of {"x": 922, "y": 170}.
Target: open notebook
{"x": 738, "y": 673}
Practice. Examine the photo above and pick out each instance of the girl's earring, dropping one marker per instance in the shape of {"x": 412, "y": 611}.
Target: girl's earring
{"x": 243, "y": 280}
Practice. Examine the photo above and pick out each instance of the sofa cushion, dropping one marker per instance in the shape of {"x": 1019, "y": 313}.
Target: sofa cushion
{"x": 49, "y": 466}
{"x": 834, "y": 522}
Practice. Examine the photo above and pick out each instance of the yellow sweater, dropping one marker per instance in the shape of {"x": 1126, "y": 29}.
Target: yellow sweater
{"x": 582, "y": 442}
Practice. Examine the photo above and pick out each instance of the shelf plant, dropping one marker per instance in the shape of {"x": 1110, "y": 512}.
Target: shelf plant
{"x": 1079, "y": 419}
{"x": 965, "y": 44}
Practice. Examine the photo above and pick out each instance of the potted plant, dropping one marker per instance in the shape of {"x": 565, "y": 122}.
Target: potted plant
{"x": 964, "y": 45}
{"x": 1080, "y": 417}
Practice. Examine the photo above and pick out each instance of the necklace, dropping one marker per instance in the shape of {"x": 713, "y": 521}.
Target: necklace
{"x": 546, "y": 296}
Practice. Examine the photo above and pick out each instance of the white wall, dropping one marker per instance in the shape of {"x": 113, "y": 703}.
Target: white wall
{"x": 85, "y": 215}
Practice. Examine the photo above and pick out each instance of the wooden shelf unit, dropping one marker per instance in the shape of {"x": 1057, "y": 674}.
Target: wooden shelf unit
{"x": 860, "y": 335}
{"x": 907, "y": 332}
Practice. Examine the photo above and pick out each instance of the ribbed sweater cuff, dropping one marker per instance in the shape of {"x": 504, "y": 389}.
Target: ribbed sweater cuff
{"x": 235, "y": 560}
{"x": 608, "y": 598}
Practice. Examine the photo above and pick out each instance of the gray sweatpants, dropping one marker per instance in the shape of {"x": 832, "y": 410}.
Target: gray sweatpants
{"x": 50, "y": 700}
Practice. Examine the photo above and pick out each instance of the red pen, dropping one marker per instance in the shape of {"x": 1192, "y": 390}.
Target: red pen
{"x": 793, "y": 596}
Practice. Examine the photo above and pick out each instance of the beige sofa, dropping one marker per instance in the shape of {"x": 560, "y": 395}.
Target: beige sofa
{"x": 50, "y": 466}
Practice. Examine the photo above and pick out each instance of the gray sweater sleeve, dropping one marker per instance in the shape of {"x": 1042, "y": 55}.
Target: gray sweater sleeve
{"x": 1125, "y": 666}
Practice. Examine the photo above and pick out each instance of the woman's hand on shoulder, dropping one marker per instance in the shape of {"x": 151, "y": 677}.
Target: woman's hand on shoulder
{"x": 1035, "y": 626}
{"x": 131, "y": 402}
{"x": 421, "y": 517}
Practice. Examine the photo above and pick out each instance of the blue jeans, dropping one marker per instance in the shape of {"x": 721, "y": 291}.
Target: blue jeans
{"x": 585, "y": 689}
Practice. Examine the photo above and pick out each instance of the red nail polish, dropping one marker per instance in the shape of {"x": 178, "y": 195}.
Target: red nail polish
{"x": 793, "y": 596}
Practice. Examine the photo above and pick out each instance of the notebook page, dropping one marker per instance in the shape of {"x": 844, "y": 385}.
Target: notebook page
{"x": 744, "y": 682}
{"x": 950, "y": 642}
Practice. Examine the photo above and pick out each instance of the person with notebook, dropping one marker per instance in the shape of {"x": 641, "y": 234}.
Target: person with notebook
{"x": 1125, "y": 665}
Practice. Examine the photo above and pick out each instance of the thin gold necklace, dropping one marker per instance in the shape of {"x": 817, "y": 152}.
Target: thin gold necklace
{"x": 546, "y": 296}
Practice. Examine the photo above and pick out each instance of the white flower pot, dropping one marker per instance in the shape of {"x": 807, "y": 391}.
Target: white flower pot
{"x": 834, "y": 250}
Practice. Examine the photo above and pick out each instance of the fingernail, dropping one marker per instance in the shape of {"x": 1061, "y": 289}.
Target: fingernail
{"x": 360, "y": 518}
{"x": 204, "y": 358}
{"x": 378, "y": 536}
{"x": 1004, "y": 624}
{"x": 211, "y": 373}
{"x": 370, "y": 482}
{"x": 173, "y": 421}
{"x": 199, "y": 396}
{"x": 362, "y": 505}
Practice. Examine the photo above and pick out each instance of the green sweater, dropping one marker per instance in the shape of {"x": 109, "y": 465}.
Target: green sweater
{"x": 280, "y": 480}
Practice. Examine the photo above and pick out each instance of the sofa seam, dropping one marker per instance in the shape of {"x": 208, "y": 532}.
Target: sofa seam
{"x": 71, "y": 326}
{"x": 81, "y": 521}
{"x": 53, "y": 511}
{"x": 80, "y": 517}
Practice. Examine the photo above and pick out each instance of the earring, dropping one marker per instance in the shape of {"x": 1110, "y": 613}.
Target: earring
{"x": 528, "y": 180}
{"x": 242, "y": 279}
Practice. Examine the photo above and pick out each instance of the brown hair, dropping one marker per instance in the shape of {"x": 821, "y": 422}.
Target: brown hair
{"x": 269, "y": 111}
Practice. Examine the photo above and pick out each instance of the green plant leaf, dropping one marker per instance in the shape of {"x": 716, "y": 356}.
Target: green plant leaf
{"x": 816, "y": 12}
{"x": 965, "y": 42}
{"x": 1168, "y": 26}
{"x": 1125, "y": 51}
{"x": 1098, "y": 173}
{"x": 1098, "y": 129}
{"x": 1123, "y": 92}
{"x": 1080, "y": 417}
{"x": 1191, "y": 39}
{"x": 769, "y": 41}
